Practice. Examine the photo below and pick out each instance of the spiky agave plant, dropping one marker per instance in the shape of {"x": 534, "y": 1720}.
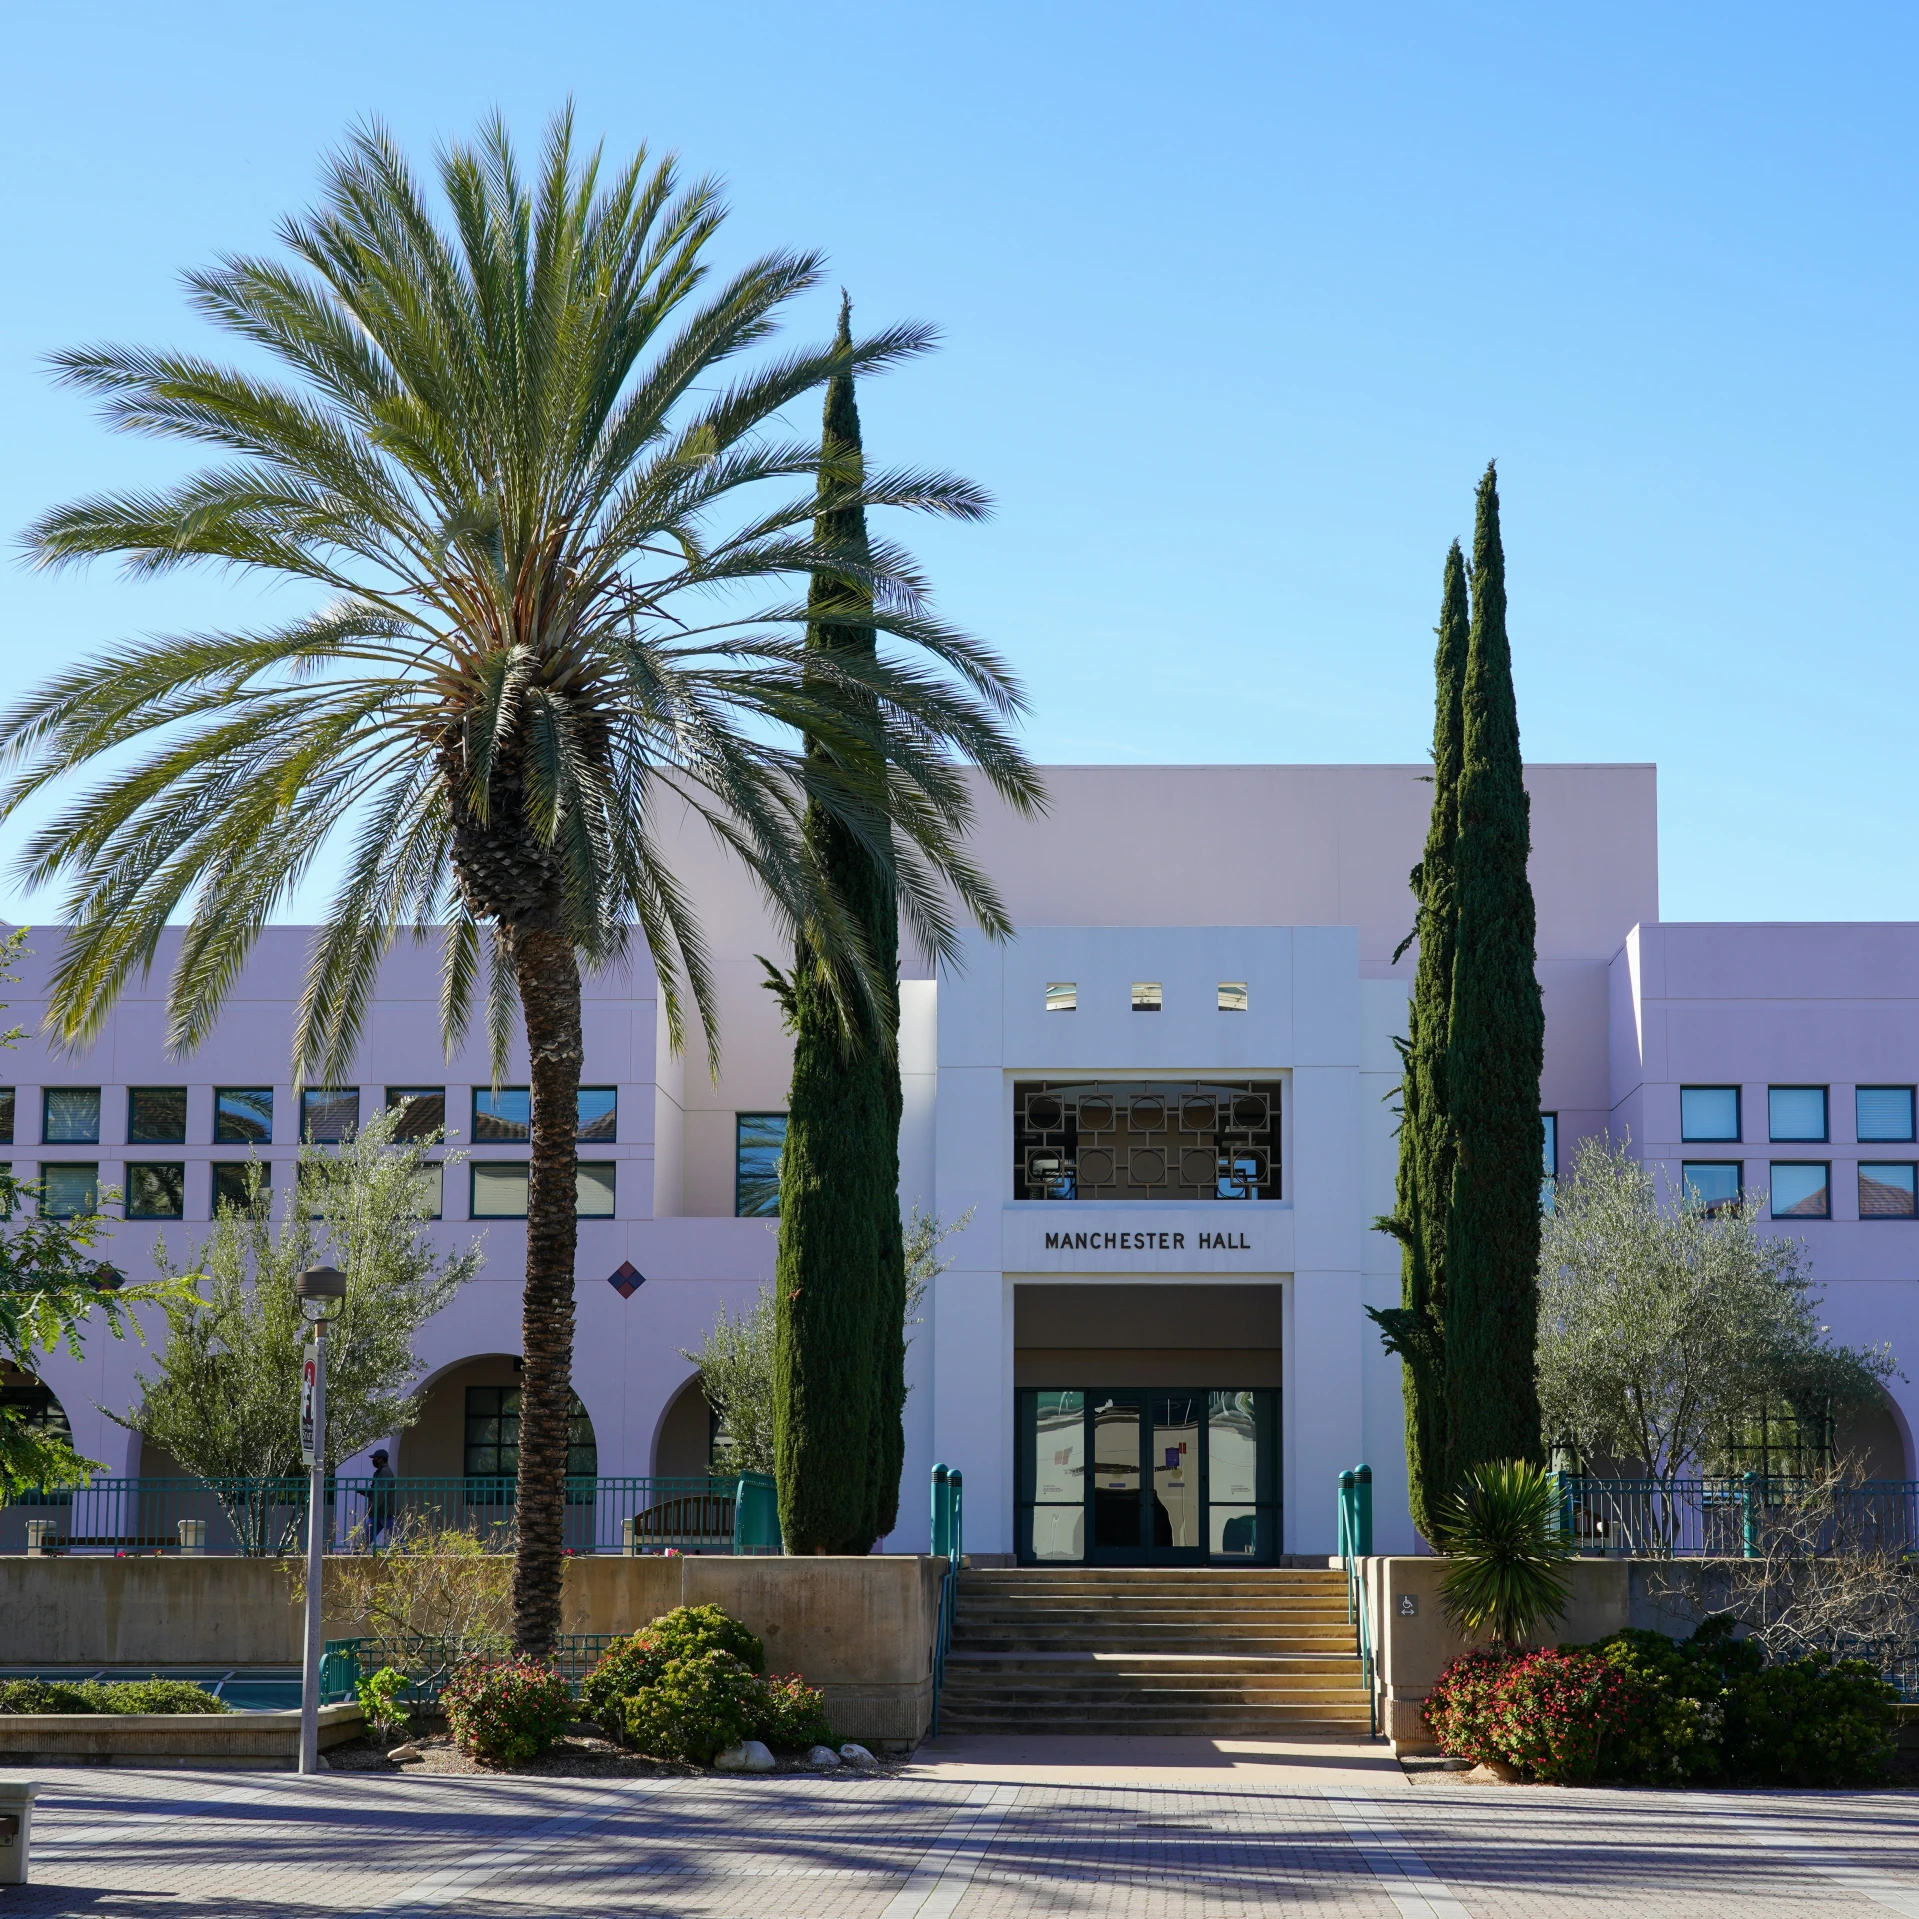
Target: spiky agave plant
{"x": 494, "y": 457}
{"x": 1505, "y": 1549}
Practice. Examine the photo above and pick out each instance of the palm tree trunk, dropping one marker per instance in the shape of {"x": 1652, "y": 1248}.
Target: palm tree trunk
{"x": 548, "y": 974}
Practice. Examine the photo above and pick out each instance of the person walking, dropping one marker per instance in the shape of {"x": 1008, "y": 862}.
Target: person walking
{"x": 379, "y": 1501}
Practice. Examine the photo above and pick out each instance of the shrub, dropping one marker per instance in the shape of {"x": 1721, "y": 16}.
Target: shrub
{"x": 1553, "y": 1714}
{"x": 697, "y": 1707}
{"x": 89, "y": 1695}
{"x": 44, "y": 1695}
{"x": 1459, "y": 1708}
{"x": 1505, "y": 1551}
{"x": 627, "y": 1667}
{"x": 507, "y": 1711}
{"x": 793, "y": 1713}
{"x": 689, "y": 1630}
{"x": 1811, "y": 1722}
{"x": 382, "y": 1699}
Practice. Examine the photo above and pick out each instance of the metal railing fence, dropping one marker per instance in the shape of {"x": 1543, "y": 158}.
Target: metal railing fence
{"x": 429, "y": 1662}
{"x": 1355, "y": 1548}
{"x": 1733, "y": 1516}
{"x": 264, "y": 1518}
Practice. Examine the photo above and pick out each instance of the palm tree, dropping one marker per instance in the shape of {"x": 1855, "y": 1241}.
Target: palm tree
{"x": 494, "y": 461}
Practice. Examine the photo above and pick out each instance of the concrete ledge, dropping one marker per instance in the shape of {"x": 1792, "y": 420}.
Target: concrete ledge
{"x": 219, "y": 1741}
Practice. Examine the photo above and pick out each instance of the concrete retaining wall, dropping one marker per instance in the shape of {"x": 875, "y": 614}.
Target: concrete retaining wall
{"x": 222, "y": 1741}
{"x": 860, "y": 1629}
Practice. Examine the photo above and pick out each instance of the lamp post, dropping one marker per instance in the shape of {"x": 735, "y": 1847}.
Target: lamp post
{"x": 321, "y": 1291}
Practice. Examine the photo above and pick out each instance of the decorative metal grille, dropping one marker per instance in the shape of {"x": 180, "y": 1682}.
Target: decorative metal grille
{"x": 1146, "y": 1139}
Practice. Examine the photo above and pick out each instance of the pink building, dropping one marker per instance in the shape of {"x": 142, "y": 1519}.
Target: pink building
{"x": 1162, "y": 1112}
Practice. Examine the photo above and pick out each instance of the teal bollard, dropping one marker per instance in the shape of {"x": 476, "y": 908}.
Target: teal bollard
{"x": 1363, "y": 1511}
{"x": 1347, "y": 1487}
{"x": 942, "y": 1512}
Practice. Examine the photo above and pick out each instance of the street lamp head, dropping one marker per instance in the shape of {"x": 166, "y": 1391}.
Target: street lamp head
{"x": 321, "y": 1291}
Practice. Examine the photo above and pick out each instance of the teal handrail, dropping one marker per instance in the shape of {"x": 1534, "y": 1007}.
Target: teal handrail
{"x": 1355, "y": 1547}
{"x": 429, "y": 1661}
{"x": 949, "y": 1541}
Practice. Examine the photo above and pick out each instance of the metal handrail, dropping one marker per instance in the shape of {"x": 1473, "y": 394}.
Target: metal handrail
{"x": 1355, "y": 1547}
{"x": 949, "y": 1539}
{"x": 429, "y": 1661}
{"x": 1722, "y": 1516}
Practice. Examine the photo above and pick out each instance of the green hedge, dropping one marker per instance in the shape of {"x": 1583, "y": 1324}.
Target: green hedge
{"x": 92, "y": 1695}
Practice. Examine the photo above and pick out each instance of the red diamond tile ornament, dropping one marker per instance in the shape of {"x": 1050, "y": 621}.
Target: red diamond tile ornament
{"x": 626, "y": 1279}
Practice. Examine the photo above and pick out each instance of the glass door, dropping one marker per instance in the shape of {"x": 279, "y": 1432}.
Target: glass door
{"x": 1117, "y": 1476}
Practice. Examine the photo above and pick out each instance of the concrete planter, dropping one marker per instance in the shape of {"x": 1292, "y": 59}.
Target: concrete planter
{"x": 218, "y": 1741}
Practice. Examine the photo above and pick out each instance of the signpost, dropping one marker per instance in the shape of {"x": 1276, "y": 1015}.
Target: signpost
{"x": 321, "y": 1291}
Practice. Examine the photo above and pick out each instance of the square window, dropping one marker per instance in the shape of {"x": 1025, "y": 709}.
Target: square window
{"x": 6, "y": 1115}
{"x": 1062, "y": 996}
{"x": 422, "y": 1111}
{"x": 1801, "y": 1189}
{"x": 1797, "y": 1112}
{"x": 1886, "y": 1191}
{"x": 69, "y": 1190}
{"x": 329, "y": 1115}
{"x": 70, "y": 1115}
{"x": 243, "y": 1115}
{"x": 499, "y": 1188}
{"x": 157, "y": 1191}
{"x": 758, "y": 1141}
{"x": 1709, "y": 1112}
{"x": 1712, "y": 1184}
{"x": 1882, "y": 1112}
{"x": 599, "y": 1113}
{"x": 433, "y": 1189}
{"x": 502, "y": 1114}
{"x": 1147, "y": 997}
{"x": 233, "y": 1183}
{"x": 595, "y": 1199}
{"x": 1232, "y": 996}
{"x": 156, "y": 1116}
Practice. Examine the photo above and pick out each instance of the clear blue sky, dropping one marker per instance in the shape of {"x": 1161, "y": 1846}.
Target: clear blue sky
{"x": 1238, "y": 300}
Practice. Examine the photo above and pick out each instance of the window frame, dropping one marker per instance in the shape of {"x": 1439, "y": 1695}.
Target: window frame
{"x": 10, "y": 1105}
{"x": 47, "y": 1093}
{"x": 475, "y": 1167}
{"x": 1822, "y": 1138}
{"x": 1772, "y": 1188}
{"x": 67, "y": 1166}
{"x": 135, "y": 1167}
{"x": 221, "y": 1093}
{"x": 156, "y": 1139}
{"x": 401, "y": 1096}
{"x": 323, "y": 1092}
{"x": 1905, "y": 1165}
{"x": 611, "y": 1167}
{"x": 1688, "y": 1166}
{"x": 739, "y": 1120}
{"x": 215, "y": 1167}
{"x": 1738, "y": 1133}
{"x": 1883, "y": 1139}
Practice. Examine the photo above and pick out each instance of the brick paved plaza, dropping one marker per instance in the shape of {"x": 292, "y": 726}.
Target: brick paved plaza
{"x": 1150, "y": 1829}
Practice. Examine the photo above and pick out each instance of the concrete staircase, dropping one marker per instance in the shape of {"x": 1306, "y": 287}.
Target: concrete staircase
{"x": 1148, "y": 1650}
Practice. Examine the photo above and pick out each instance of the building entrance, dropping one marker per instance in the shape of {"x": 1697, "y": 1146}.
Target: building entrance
{"x": 1148, "y": 1476}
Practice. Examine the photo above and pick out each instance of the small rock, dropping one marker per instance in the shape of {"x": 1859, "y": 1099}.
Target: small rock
{"x": 856, "y": 1755}
{"x": 1493, "y": 1772}
{"x": 824, "y": 1758}
{"x": 405, "y": 1752}
{"x": 748, "y": 1756}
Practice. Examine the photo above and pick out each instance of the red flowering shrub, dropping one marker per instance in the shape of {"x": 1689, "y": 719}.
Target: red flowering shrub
{"x": 1459, "y": 1707}
{"x": 1555, "y": 1714}
{"x": 508, "y": 1710}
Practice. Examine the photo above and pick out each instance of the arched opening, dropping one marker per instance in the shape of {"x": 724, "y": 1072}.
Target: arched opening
{"x": 684, "y": 1446}
{"x": 1873, "y": 1442}
{"x": 469, "y": 1426}
{"x": 26, "y": 1397}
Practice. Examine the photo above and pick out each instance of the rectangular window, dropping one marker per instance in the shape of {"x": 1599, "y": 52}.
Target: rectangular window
{"x": 1146, "y": 1139}
{"x": 243, "y": 1115}
{"x": 329, "y": 1115}
{"x": 1549, "y": 1162}
{"x": 1801, "y": 1189}
{"x": 157, "y": 1191}
{"x": 69, "y": 1190}
{"x": 1147, "y": 997}
{"x": 422, "y": 1111}
{"x": 1797, "y": 1112}
{"x": 1712, "y": 1184}
{"x": 499, "y": 1188}
{"x": 1232, "y": 996}
{"x": 1709, "y": 1112}
{"x": 493, "y": 1435}
{"x": 502, "y": 1114}
{"x": 70, "y": 1115}
{"x": 1882, "y": 1112}
{"x": 1886, "y": 1191}
{"x": 233, "y": 1183}
{"x": 6, "y": 1115}
{"x": 433, "y": 1189}
{"x": 1062, "y": 996}
{"x": 156, "y": 1115}
{"x": 596, "y": 1182}
{"x": 599, "y": 1113}
{"x": 757, "y": 1141}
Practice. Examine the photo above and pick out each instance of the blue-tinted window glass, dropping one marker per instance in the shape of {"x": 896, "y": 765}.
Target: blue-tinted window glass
{"x": 1797, "y": 1112}
{"x": 1800, "y": 1191}
{"x": 502, "y": 1113}
{"x": 1711, "y": 1183}
{"x": 243, "y": 1115}
{"x": 68, "y": 1191}
{"x": 1709, "y": 1112}
{"x": 1549, "y": 1159}
{"x": 1883, "y": 1112}
{"x": 1886, "y": 1192}
{"x": 70, "y": 1116}
{"x": 756, "y": 1185}
{"x": 329, "y": 1115}
{"x": 599, "y": 1112}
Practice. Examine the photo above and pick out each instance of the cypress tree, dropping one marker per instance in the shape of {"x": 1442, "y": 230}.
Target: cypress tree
{"x": 1494, "y": 1051}
{"x": 839, "y": 1366}
{"x": 1415, "y": 1329}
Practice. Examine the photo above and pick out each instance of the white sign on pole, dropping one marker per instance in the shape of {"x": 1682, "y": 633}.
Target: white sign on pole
{"x": 309, "y": 1378}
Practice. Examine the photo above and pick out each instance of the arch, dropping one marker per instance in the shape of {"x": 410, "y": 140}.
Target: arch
{"x": 683, "y": 1436}
{"x": 1877, "y": 1441}
{"x": 28, "y": 1396}
{"x": 439, "y": 1445}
